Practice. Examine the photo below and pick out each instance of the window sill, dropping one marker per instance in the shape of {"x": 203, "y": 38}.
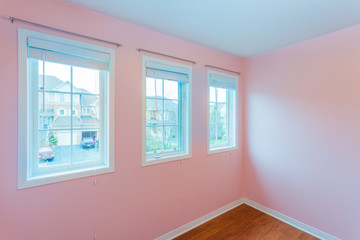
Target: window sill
{"x": 150, "y": 162}
{"x": 222, "y": 149}
{"x": 63, "y": 176}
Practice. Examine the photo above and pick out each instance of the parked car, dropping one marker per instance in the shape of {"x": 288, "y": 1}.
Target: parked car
{"x": 88, "y": 142}
{"x": 46, "y": 153}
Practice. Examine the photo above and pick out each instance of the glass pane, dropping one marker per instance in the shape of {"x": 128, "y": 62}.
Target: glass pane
{"x": 86, "y": 145}
{"x": 154, "y": 113}
{"x": 154, "y": 139}
{"x": 171, "y": 138}
{"x": 171, "y": 112}
{"x": 57, "y": 77}
{"x": 212, "y": 134}
{"x": 62, "y": 111}
{"x": 221, "y": 113}
{"x": 221, "y": 97}
{"x": 85, "y": 80}
{"x": 86, "y": 112}
{"x": 214, "y": 113}
{"x": 212, "y": 94}
{"x": 153, "y": 90}
{"x": 54, "y": 148}
{"x": 54, "y": 114}
{"x": 221, "y": 134}
{"x": 171, "y": 89}
{"x": 46, "y": 110}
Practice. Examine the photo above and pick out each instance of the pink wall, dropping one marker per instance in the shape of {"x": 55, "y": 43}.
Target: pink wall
{"x": 134, "y": 202}
{"x": 303, "y": 130}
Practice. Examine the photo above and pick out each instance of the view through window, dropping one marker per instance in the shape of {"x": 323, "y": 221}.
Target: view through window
{"x": 67, "y": 138}
{"x": 222, "y": 111}
{"x": 163, "y": 115}
{"x": 219, "y": 116}
{"x": 167, "y": 122}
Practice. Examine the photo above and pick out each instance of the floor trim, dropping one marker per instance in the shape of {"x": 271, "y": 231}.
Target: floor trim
{"x": 295, "y": 223}
{"x": 197, "y": 222}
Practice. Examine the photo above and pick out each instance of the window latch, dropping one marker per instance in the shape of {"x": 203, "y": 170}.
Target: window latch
{"x": 156, "y": 156}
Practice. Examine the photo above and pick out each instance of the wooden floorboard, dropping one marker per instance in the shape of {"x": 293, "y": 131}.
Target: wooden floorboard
{"x": 245, "y": 223}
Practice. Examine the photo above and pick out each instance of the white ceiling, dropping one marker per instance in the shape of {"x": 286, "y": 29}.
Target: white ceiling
{"x": 240, "y": 27}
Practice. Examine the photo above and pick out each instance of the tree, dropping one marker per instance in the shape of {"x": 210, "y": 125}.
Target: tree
{"x": 217, "y": 122}
{"x": 52, "y": 140}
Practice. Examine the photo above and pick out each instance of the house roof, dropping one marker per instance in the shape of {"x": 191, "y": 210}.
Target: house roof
{"x": 65, "y": 121}
{"x": 53, "y": 83}
{"x": 89, "y": 100}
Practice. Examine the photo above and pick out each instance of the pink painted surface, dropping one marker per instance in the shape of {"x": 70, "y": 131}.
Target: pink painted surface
{"x": 134, "y": 202}
{"x": 303, "y": 130}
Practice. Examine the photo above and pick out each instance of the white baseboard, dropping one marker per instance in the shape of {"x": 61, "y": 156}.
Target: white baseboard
{"x": 187, "y": 227}
{"x": 295, "y": 223}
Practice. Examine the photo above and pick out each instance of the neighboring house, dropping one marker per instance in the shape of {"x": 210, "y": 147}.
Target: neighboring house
{"x": 57, "y": 112}
{"x": 162, "y": 123}
{"x": 156, "y": 117}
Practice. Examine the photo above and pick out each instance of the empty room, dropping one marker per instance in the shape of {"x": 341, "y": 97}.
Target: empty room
{"x": 141, "y": 120}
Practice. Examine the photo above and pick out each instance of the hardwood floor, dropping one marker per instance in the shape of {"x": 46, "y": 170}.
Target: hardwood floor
{"x": 245, "y": 223}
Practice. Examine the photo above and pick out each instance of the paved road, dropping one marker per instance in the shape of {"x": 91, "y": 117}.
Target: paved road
{"x": 79, "y": 154}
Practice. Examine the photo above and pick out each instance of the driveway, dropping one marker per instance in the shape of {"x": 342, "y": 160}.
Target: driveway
{"x": 79, "y": 154}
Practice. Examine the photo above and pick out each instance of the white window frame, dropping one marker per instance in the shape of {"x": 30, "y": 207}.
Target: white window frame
{"x": 187, "y": 152}
{"x": 27, "y": 117}
{"x": 227, "y": 147}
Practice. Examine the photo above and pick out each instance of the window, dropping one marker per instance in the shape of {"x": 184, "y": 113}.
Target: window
{"x": 58, "y": 147}
{"x": 166, "y": 111}
{"x": 86, "y": 111}
{"x": 222, "y": 112}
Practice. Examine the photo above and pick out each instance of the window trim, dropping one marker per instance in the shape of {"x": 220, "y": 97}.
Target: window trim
{"x": 225, "y": 148}
{"x": 24, "y": 109}
{"x": 186, "y": 154}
